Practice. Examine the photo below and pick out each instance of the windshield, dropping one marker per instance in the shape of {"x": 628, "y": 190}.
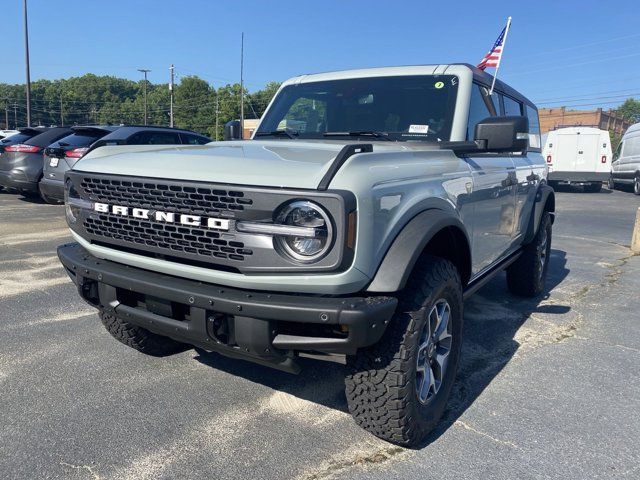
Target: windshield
{"x": 381, "y": 108}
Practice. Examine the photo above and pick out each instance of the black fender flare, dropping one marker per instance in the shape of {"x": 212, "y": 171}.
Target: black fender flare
{"x": 544, "y": 193}
{"x": 398, "y": 262}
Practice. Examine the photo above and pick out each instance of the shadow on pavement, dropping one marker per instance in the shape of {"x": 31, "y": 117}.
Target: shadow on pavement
{"x": 492, "y": 318}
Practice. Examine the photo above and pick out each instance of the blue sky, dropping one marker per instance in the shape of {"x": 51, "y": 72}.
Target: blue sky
{"x": 562, "y": 52}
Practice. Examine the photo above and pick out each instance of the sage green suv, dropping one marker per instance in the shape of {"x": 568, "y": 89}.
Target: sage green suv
{"x": 367, "y": 206}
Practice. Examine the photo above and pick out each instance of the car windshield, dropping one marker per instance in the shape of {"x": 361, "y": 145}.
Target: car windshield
{"x": 399, "y": 108}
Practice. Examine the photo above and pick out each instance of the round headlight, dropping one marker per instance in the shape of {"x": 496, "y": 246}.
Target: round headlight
{"x": 315, "y": 233}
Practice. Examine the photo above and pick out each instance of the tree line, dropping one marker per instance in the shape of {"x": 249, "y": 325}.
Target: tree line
{"x": 93, "y": 99}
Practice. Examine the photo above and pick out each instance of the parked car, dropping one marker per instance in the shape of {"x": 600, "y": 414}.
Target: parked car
{"x": 578, "y": 156}
{"x": 22, "y": 136}
{"x": 7, "y": 133}
{"x": 366, "y": 207}
{"x": 151, "y": 135}
{"x": 60, "y": 156}
{"x": 21, "y": 163}
{"x": 625, "y": 169}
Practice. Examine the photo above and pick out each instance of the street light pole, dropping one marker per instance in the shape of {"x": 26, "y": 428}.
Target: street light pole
{"x": 26, "y": 52}
{"x": 145, "y": 71}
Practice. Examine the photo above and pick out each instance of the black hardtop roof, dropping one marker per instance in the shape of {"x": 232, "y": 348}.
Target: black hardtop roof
{"x": 484, "y": 78}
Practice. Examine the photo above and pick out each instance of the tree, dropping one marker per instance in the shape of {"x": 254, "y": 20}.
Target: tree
{"x": 630, "y": 110}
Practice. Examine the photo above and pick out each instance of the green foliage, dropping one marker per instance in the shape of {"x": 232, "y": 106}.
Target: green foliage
{"x": 630, "y": 110}
{"x": 92, "y": 99}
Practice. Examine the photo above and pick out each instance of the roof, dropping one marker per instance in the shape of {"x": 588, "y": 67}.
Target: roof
{"x": 126, "y": 131}
{"x": 441, "y": 69}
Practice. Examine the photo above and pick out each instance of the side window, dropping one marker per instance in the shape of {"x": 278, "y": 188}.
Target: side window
{"x": 534, "y": 127}
{"x": 154, "y": 138}
{"x": 480, "y": 107}
{"x": 616, "y": 154}
{"x": 511, "y": 107}
{"x": 193, "y": 139}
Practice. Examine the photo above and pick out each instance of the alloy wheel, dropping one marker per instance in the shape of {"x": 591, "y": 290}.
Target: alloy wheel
{"x": 433, "y": 351}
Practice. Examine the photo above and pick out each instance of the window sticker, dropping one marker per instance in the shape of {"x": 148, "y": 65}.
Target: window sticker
{"x": 439, "y": 85}
{"x": 419, "y": 129}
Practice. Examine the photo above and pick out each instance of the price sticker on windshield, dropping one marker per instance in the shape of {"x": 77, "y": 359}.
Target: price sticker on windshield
{"x": 424, "y": 129}
{"x": 439, "y": 85}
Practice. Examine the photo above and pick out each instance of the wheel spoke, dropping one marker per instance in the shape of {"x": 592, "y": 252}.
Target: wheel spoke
{"x": 442, "y": 332}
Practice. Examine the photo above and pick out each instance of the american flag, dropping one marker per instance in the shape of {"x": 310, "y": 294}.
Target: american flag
{"x": 492, "y": 59}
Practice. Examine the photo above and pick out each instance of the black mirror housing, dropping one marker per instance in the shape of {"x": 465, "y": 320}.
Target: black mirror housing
{"x": 232, "y": 130}
{"x": 503, "y": 134}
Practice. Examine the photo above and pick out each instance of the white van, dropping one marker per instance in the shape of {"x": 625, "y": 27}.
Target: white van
{"x": 625, "y": 168}
{"x": 579, "y": 156}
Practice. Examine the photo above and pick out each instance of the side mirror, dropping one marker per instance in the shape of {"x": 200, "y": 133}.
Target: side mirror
{"x": 232, "y": 130}
{"x": 496, "y": 135}
{"x": 503, "y": 134}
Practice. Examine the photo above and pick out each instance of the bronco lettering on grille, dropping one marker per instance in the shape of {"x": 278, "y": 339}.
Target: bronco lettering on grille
{"x": 166, "y": 217}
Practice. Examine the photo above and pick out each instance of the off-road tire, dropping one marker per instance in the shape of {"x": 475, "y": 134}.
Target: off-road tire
{"x": 526, "y": 276}
{"x": 47, "y": 198}
{"x": 381, "y": 381}
{"x": 140, "y": 338}
{"x": 636, "y": 185}
{"x": 593, "y": 187}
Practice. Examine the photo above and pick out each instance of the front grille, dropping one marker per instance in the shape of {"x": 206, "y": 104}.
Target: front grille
{"x": 164, "y": 238}
{"x": 190, "y": 200}
{"x": 158, "y": 236}
{"x": 176, "y": 239}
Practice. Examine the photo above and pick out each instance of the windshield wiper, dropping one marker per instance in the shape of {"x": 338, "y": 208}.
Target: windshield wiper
{"x": 360, "y": 133}
{"x": 274, "y": 133}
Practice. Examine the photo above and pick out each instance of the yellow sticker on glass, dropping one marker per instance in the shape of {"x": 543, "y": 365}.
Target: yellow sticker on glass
{"x": 439, "y": 85}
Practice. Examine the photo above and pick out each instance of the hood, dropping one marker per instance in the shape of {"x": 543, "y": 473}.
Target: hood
{"x": 269, "y": 163}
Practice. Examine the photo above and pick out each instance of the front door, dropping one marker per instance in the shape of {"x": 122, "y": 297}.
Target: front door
{"x": 494, "y": 205}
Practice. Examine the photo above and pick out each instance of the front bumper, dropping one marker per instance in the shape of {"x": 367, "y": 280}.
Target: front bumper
{"x": 18, "y": 180}
{"x": 261, "y": 327}
{"x": 578, "y": 177}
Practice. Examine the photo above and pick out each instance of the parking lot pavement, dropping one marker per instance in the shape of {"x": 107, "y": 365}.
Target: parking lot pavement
{"x": 547, "y": 388}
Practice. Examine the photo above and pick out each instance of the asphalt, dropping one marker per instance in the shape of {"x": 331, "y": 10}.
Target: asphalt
{"x": 548, "y": 388}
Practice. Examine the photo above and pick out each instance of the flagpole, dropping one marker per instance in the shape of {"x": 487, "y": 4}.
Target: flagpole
{"x": 504, "y": 45}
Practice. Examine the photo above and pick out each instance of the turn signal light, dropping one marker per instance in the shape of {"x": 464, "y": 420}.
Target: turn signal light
{"x": 604, "y": 159}
{"x": 548, "y": 158}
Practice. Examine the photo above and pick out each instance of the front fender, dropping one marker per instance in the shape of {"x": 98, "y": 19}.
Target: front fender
{"x": 398, "y": 263}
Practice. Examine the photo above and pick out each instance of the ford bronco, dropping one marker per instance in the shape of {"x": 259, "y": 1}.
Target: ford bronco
{"x": 367, "y": 206}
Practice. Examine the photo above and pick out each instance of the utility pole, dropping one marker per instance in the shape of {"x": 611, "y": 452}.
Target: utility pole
{"x": 145, "y": 71}
{"x": 6, "y": 114}
{"x": 26, "y": 52}
{"x": 242, "y": 87}
{"x": 61, "y": 112}
{"x": 171, "y": 97}
{"x": 15, "y": 115}
{"x": 217, "y": 104}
